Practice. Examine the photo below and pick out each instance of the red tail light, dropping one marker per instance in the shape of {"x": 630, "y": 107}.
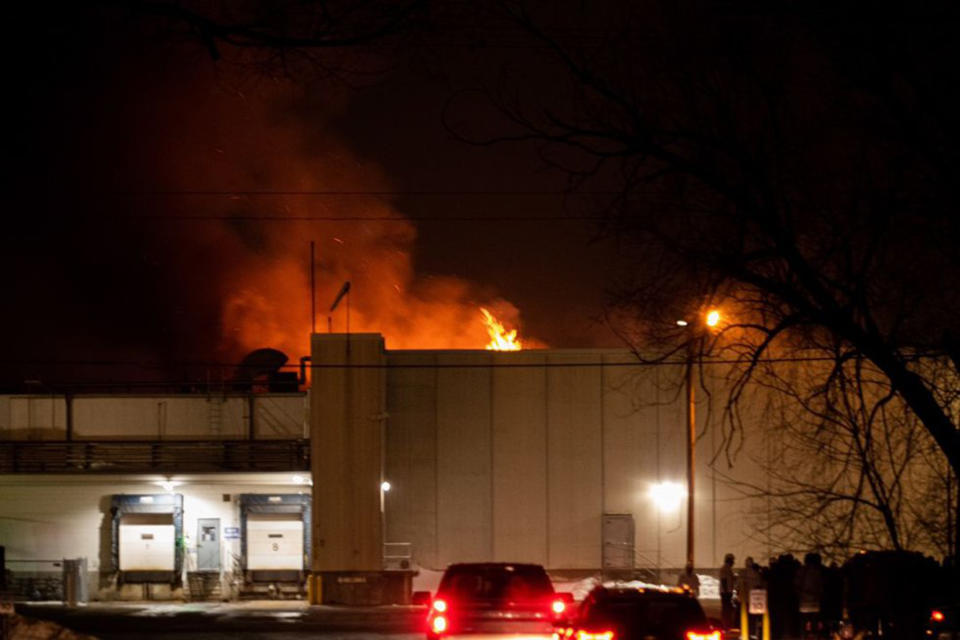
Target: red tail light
{"x": 439, "y": 605}
{"x": 703, "y": 635}
{"x": 595, "y": 635}
{"x": 439, "y": 624}
{"x": 936, "y": 616}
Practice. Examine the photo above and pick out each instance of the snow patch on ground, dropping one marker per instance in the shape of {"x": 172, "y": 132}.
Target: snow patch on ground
{"x": 709, "y": 586}
{"x": 579, "y": 588}
{"x": 427, "y": 580}
{"x": 20, "y": 628}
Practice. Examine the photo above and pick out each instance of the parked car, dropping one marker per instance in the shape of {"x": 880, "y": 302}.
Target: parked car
{"x": 638, "y": 614}
{"x": 492, "y": 599}
{"x": 944, "y": 622}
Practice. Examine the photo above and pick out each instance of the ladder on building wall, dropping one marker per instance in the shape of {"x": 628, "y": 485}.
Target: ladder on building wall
{"x": 215, "y": 415}
{"x": 216, "y": 398}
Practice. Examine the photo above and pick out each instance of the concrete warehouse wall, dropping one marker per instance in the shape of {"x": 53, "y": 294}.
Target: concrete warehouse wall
{"x": 56, "y": 517}
{"x": 513, "y": 462}
{"x": 346, "y": 452}
{"x": 487, "y": 462}
{"x": 29, "y": 417}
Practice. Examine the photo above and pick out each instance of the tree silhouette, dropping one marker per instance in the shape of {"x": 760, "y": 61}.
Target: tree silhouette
{"x": 794, "y": 164}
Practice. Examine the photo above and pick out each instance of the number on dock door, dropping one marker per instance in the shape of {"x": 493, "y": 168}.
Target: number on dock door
{"x": 275, "y": 546}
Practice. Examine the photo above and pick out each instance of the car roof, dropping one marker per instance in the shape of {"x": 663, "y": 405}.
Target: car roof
{"x": 639, "y": 593}
{"x": 494, "y": 565}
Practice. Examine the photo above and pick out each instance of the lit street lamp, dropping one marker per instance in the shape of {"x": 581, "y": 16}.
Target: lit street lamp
{"x": 667, "y": 496}
{"x": 712, "y": 321}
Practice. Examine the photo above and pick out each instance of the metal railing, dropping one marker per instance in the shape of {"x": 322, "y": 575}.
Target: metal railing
{"x": 126, "y": 456}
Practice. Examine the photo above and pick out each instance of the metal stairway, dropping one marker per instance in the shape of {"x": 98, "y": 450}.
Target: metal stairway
{"x": 204, "y": 585}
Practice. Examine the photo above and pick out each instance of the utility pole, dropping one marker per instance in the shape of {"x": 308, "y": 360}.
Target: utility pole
{"x": 313, "y": 292}
{"x": 694, "y": 345}
{"x": 691, "y": 452}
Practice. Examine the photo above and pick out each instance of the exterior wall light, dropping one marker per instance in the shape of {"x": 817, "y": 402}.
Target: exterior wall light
{"x": 667, "y": 496}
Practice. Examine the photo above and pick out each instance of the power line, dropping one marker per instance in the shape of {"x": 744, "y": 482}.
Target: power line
{"x": 353, "y": 192}
{"x": 466, "y": 365}
{"x": 650, "y": 198}
{"x": 310, "y": 218}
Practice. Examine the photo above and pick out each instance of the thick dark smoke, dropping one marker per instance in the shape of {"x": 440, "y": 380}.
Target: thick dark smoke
{"x": 141, "y": 231}
{"x": 138, "y": 227}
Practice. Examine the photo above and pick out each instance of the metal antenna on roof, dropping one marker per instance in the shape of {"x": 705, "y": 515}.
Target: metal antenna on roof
{"x": 344, "y": 291}
{"x": 313, "y": 293}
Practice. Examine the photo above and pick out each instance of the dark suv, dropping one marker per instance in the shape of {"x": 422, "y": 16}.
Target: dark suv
{"x": 493, "y": 599}
{"x": 638, "y": 614}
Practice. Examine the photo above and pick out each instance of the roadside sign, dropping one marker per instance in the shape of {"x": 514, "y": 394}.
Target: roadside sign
{"x": 758, "y": 601}
{"x": 231, "y": 533}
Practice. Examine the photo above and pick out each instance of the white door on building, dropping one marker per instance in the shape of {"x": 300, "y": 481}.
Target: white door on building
{"x": 208, "y": 544}
{"x": 147, "y": 542}
{"x": 274, "y": 541}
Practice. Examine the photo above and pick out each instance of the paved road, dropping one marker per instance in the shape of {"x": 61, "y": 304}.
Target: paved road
{"x": 248, "y": 621}
{"x": 261, "y": 620}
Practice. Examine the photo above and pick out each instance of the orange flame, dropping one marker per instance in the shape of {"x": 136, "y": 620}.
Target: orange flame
{"x": 500, "y": 338}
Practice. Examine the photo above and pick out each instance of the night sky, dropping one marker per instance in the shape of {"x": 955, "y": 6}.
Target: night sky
{"x": 128, "y": 137}
{"x": 163, "y": 185}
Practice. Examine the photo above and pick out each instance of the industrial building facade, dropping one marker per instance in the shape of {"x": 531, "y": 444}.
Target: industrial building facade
{"x": 543, "y": 456}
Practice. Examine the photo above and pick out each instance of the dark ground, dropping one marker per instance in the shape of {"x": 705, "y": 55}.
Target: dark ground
{"x": 267, "y": 620}
{"x": 273, "y": 620}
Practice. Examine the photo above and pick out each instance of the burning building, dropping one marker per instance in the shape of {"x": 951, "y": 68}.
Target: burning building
{"x": 496, "y": 453}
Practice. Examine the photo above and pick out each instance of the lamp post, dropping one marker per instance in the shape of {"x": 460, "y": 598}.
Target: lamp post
{"x": 691, "y": 451}
{"x": 711, "y": 320}
{"x": 385, "y": 487}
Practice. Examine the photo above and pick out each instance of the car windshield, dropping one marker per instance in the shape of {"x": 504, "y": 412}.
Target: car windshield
{"x": 516, "y": 583}
{"x": 663, "y": 615}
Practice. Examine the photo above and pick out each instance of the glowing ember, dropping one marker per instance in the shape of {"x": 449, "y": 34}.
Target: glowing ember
{"x": 500, "y": 338}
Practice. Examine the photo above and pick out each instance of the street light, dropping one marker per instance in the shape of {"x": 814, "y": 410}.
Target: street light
{"x": 712, "y": 321}
{"x": 169, "y": 485}
{"x": 667, "y": 496}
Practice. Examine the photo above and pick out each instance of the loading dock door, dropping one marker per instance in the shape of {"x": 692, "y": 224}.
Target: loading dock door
{"x": 208, "y": 544}
{"x": 274, "y": 541}
{"x": 147, "y": 542}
